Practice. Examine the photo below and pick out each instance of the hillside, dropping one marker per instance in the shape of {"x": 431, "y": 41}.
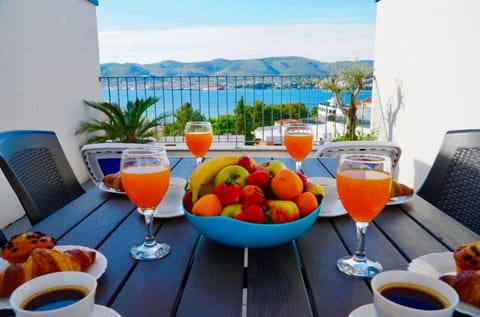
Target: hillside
{"x": 272, "y": 66}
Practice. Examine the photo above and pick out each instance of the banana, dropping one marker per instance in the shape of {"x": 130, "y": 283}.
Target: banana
{"x": 205, "y": 172}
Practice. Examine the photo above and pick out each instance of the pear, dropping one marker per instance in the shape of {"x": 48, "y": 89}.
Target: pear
{"x": 317, "y": 190}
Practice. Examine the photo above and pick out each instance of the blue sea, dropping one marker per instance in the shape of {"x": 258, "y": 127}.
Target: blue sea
{"x": 212, "y": 103}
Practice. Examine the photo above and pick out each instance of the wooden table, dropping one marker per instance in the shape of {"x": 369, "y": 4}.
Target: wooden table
{"x": 203, "y": 278}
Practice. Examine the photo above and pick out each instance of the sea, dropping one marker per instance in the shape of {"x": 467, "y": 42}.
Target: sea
{"x": 212, "y": 103}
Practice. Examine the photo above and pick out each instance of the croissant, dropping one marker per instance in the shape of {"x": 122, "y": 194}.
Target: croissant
{"x": 467, "y": 256}
{"x": 467, "y": 285}
{"x": 399, "y": 189}
{"x": 44, "y": 261}
{"x": 113, "y": 181}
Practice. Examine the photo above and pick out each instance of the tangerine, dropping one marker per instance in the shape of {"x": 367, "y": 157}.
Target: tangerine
{"x": 207, "y": 205}
{"x": 286, "y": 184}
{"x": 306, "y": 202}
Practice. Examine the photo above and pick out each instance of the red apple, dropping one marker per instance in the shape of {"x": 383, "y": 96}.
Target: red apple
{"x": 187, "y": 201}
{"x": 252, "y": 195}
{"x": 304, "y": 180}
{"x": 282, "y": 211}
{"x": 259, "y": 178}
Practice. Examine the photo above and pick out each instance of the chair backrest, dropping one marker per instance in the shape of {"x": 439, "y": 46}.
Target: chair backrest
{"x": 38, "y": 171}
{"x": 334, "y": 149}
{"x": 104, "y": 158}
{"x": 453, "y": 182}
{"x": 3, "y": 238}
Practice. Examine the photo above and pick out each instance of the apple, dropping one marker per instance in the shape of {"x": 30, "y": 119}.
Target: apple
{"x": 231, "y": 174}
{"x": 273, "y": 166}
{"x": 259, "y": 177}
{"x": 304, "y": 180}
{"x": 282, "y": 211}
{"x": 247, "y": 163}
{"x": 231, "y": 210}
{"x": 252, "y": 195}
{"x": 187, "y": 201}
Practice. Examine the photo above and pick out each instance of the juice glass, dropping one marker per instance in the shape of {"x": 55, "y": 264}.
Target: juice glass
{"x": 198, "y": 136}
{"x": 363, "y": 185}
{"x": 298, "y": 141}
{"x": 145, "y": 175}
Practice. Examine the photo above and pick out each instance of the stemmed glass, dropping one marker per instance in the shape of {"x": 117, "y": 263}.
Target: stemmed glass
{"x": 363, "y": 185}
{"x": 198, "y": 136}
{"x": 145, "y": 174}
{"x": 298, "y": 141}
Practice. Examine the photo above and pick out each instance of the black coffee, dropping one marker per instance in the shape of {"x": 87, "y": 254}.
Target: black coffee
{"x": 414, "y": 296}
{"x": 54, "y": 298}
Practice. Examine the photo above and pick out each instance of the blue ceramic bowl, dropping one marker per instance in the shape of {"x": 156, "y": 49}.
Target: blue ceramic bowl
{"x": 243, "y": 234}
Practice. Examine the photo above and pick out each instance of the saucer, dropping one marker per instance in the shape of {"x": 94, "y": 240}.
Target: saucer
{"x": 364, "y": 311}
{"x": 331, "y": 204}
{"x": 171, "y": 204}
{"x": 103, "y": 311}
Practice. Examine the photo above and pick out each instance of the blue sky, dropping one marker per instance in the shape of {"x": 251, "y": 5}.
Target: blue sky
{"x": 150, "y": 31}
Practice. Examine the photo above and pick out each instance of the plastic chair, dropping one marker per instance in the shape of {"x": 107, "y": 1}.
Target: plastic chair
{"x": 104, "y": 158}
{"x": 335, "y": 149}
{"x": 38, "y": 171}
{"x": 453, "y": 182}
{"x": 3, "y": 238}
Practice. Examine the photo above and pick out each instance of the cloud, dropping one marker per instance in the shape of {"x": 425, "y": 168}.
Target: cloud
{"x": 324, "y": 41}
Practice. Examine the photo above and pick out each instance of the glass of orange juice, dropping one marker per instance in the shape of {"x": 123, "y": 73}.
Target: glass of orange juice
{"x": 198, "y": 136}
{"x": 363, "y": 185}
{"x": 298, "y": 141}
{"x": 145, "y": 175}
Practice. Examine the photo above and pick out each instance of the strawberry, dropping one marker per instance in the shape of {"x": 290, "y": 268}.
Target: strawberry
{"x": 247, "y": 163}
{"x": 252, "y": 195}
{"x": 304, "y": 180}
{"x": 253, "y": 213}
{"x": 228, "y": 192}
{"x": 259, "y": 178}
{"x": 187, "y": 201}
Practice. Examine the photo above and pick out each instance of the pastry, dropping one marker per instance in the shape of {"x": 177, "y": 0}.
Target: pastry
{"x": 467, "y": 257}
{"x": 467, "y": 286}
{"x": 20, "y": 246}
{"x": 44, "y": 261}
{"x": 113, "y": 181}
{"x": 398, "y": 189}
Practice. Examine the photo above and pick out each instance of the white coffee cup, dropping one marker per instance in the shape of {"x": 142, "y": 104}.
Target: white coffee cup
{"x": 388, "y": 308}
{"x": 81, "y": 308}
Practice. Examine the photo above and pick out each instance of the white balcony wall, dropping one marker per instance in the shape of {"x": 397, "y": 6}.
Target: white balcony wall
{"x": 427, "y": 61}
{"x": 49, "y": 63}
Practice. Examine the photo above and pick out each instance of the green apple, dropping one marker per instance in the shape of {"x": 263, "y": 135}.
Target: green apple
{"x": 232, "y": 173}
{"x": 273, "y": 166}
{"x": 282, "y": 211}
{"x": 231, "y": 210}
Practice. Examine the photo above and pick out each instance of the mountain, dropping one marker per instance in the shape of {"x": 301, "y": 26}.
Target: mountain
{"x": 270, "y": 66}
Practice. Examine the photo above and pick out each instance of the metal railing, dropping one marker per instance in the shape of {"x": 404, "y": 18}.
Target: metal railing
{"x": 244, "y": 110}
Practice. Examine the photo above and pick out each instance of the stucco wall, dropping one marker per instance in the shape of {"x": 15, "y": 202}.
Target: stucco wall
{"x": 49, "y": 64}
{"x": 427, "y": 61}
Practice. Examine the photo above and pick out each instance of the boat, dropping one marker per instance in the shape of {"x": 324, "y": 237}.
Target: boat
{"x": 216, "y": 87}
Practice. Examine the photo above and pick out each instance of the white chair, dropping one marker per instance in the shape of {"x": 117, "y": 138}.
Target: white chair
{"x": 335, "y": 149}
{"x": 104, "y": 158}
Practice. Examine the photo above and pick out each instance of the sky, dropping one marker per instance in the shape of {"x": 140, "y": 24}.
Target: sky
{"x": 151, "y": 31}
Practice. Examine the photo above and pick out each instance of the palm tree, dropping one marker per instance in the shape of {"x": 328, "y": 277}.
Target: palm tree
{"x": 129, "y": 126}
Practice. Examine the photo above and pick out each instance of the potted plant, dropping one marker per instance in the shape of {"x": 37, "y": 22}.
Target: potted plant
{"x": 129, "y": 125}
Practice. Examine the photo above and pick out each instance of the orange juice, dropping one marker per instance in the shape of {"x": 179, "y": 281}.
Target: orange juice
{"x": 298, "y": 145}
{"x": 145, "y": 185}
{"x": 198, "y": 142}
{"x": 363, "y": 193}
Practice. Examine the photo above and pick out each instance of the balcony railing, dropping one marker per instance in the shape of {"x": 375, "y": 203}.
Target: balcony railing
{"x": 264, "y": 104}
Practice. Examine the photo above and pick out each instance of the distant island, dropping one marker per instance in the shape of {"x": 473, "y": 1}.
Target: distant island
{"x": 270, "y": 66}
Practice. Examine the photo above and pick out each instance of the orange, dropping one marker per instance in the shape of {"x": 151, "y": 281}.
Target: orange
{"x": 306, "y": 203}
{"x": 286, "y": 184}
{"x": 208, "y": 205}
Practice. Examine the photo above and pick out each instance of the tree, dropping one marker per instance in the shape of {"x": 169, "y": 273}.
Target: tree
{"x": 350, "y": 80}
{"x": 182, "y": 115}
{"x": 129, "y": 125}
{"x": 245, "y": 124}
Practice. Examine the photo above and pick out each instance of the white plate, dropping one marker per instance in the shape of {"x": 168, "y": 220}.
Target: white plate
{"x": 171, "y": 204}
{"x": 364, "y": 311}
{"x": 96, "y": 269}
{"x": 441, "y": 263}
{"x": 103, "y": 311}
{"x": 107, "y": 189}
{"x": 331, "y": 204}
{"x": 400, "y": 200}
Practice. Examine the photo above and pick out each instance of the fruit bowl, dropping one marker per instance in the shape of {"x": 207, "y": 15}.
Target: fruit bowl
{"x": 243, "y": 234}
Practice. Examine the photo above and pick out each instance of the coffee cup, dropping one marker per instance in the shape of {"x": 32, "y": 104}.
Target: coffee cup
{"x": 55, "y": 295}
{"x": 411, "y": 294}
